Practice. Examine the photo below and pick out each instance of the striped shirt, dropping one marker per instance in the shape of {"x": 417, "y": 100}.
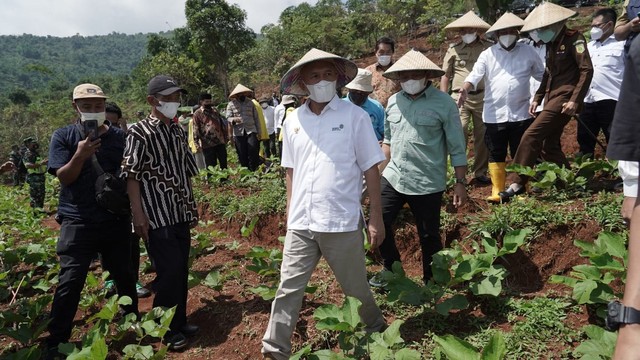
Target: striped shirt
{"x": 157, "y": 156}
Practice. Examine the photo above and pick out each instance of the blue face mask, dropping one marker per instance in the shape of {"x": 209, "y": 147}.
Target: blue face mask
{"x": 546, "y": 35}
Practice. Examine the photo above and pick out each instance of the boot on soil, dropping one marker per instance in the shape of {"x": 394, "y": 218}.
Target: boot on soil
{"x": 498, "y": 174}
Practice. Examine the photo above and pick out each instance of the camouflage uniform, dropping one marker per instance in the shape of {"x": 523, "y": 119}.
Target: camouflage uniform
{"x": 20, "y": 172}
{"x": 35, "y": 178}
{"x": 458, "y": 63}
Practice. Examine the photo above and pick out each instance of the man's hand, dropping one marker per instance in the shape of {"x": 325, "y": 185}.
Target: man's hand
{"x": 88, "y": 147}
{"x": 376, "y": 232}
{"x": 459, "y": 195}
{"x": 569, "y": 108}
{"x": 141, "y": 224}
{"x": 635, "y": 24}
{"x": 532, "y": 108}
{"x": 462, "y": 97}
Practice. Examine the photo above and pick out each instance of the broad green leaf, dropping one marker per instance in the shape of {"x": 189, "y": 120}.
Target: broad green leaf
{"x": 614, "y": 243}
{"x": 495, "y": 349}
{"x": 489, "y": 245}
{"x": 457, "y": 349}
{"x": 455, "y": 302}
{"x": 135, "y": 351}
{"x": 513, "y": 240}
{"x": 582, "y": 291}
{"x": 407, "y": 354}
{"x": 560, "y": 279}
{"x": 213, "y": 280}
{"x": 607, "y": 262}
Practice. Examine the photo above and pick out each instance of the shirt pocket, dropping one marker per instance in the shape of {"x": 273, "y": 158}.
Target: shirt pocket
{"x": 612, "y": 59}
{"x": 425, "y": 125}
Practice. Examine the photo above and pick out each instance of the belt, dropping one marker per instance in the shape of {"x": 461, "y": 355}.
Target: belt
{"x": 471, "y": 92}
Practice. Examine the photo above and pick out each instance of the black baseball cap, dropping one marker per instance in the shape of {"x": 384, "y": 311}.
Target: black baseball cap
{"x": 163, "y": 85}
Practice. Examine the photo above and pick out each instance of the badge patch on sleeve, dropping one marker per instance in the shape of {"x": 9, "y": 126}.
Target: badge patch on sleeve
{"x": 579, "y": 46}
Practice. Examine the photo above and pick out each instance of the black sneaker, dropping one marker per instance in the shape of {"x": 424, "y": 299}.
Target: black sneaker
{"x": 189, "y": 329}
{"x": 142, "y": 291}
{"x": 176, "y": 341}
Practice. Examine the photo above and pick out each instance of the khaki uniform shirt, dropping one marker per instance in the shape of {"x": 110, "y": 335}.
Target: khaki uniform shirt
{"x": 383, "y": 88}
{"x": 459, "y": 60}
{"x": 568, "y": 71}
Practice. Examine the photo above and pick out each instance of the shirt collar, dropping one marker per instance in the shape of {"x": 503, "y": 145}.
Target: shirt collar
{"x": 333, "y": 105}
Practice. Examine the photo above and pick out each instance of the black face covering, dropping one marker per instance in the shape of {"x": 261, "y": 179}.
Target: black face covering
{"x": 358, "y": 98}
{"x": 242, "y": 97}
{"x": 208, "y": 106}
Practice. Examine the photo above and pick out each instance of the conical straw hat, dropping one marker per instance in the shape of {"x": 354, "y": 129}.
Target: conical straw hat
{"x": 506, "y": 21}
{"x": 239, "y": 89}
{"x": 468, "y": 20}
{"x": 291, "y": 81}
{"x": 546, "y": 14}
{"x": 413, "y": 60}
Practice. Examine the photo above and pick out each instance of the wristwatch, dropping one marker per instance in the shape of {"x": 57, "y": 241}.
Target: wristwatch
{"x": 462, "y": 181}
{"x": 618, "y": 314}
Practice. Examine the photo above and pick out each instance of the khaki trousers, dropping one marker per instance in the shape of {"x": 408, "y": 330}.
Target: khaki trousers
{"x": 472, "y": 111}
{"x": 302, "y": 250}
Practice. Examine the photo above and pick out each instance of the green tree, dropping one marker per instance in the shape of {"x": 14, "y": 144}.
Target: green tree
{"x": 218, "y": 33}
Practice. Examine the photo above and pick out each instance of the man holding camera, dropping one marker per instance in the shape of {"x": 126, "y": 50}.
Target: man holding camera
{"x": 86, "y": 227}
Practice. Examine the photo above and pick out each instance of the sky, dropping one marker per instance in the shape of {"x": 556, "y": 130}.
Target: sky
{"x": 86, "y": 17}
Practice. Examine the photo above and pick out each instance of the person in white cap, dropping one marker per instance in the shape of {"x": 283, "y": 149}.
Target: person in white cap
{"x": 85, "y": 227}
{"x": 457, "y": 64}
{"x": 421, "y": 131}
{"x": 359, "y": 90}
{"x": 563, "y": 87}
{"x": 281, "y": 111}
{"x": 244, "y": 131}
{"x": 607, "y": 56}
{"x": 328, "y": 144}
{"x": 505, "y": 68}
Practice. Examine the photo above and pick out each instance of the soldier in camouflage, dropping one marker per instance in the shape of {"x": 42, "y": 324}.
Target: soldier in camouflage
{"x": 20, "y": 172}
{"x": 36, "y": 169}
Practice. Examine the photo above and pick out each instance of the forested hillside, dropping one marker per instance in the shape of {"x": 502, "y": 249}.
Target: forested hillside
{"x": 30, "y": 62}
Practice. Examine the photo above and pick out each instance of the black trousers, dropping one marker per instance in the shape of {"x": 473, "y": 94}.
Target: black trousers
{"x": 248, "y": 149}
{"x": 426, "y": 212}
{"x": 216, "y": 154}
{"x": 169, "y": 247}
{"x": 504, "y": 136}
{"x": 270, "y": 146}
{"x": 77, "y": 246}
{"x": 593, "y": 118}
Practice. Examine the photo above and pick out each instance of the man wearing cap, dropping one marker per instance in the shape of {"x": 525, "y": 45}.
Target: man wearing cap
{"x": 457, "y": 64}
{"x": 421, "y": 130}
{"x": 244, "y": 131}
{"x": 210, "y": 133}
{"x": 359, "y": 90}
{"x": 505, "y": 68}
{"x": 328, "y": 145}
{"x": 158, "y": 166}
{"x": 36, "y": 170}
{"x": 86, "y": 228}
{"x": 607, "y": 56}
{"x": 563, "y": 88}
{"x": 383, "y": 88}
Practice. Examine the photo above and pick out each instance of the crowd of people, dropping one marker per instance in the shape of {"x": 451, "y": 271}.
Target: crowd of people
{"x": 338, "y": 130}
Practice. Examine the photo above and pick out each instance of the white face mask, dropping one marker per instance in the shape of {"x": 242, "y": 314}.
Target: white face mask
{"x": 168, "y": 109}
{"x": 413, "y": 87}
{"x": 264, "y": 105}
{"x": 100, "y": 117}
{"x": 384, "y": 60}
{"x": 469, "y": 38}
{"x": 596, "y": 33}
{"x": 534, "y": 36}
{"x": 507, "y": 40}
{"x": 323, "y": 91}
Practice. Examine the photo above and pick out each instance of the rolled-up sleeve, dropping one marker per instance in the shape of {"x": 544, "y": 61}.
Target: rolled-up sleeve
{"x": 479, "y": 69}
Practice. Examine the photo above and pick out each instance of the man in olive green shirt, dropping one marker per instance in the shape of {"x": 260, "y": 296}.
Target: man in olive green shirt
{"x": 458, "y": 63}
{"x": 422, "y": 128}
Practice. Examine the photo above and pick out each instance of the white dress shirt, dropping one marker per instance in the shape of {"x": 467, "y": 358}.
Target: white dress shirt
{"x": 607, "y": 58}
{"x": 328, "y": 154}
{"x": 269, "y": 119}
{"x": 629, "y": 174}
{"x": 506, "y": 77}
{"x": 278, "y": 115}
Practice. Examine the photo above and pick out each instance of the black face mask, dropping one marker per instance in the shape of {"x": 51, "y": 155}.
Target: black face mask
{"x": 242, "y": 97}
{"x": 357, "y": 98}
{"x": 208, "y": 106}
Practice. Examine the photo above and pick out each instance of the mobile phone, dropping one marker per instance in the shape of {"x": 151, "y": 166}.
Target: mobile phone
{"x": 89, "y": 126}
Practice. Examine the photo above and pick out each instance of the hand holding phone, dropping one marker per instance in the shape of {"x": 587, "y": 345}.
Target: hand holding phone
{"x": 91, "y": 128}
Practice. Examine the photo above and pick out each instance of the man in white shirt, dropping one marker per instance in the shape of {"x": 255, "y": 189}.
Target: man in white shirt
{"x": 607, "y": 57}
{"x": 269, "y": 118}
{"x": 506, "y": 68}
{"x": 328, "y": 144}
